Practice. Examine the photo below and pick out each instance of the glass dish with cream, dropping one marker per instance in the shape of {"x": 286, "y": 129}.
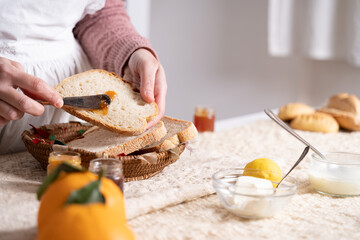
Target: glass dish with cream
{"x": 251, "y": 197}
{"x": 337, "y": 175}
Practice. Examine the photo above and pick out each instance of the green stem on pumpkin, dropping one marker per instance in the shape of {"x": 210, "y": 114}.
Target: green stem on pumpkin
{"x": 90, "y": 193}
{"x": 64, "y": 167}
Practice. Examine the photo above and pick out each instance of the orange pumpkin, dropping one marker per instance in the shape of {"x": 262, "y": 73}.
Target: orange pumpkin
{"x": 89, "y": 222}
{"x": 59, "y": 219}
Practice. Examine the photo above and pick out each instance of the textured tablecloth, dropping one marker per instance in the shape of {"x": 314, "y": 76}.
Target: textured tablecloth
{"x": 180, "y": 203}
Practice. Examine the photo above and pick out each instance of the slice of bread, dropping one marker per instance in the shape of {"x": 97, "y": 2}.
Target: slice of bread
{"x": 178, "y": 131}
{"x": 128, "y": 113}
{"x": 103, "y": 142}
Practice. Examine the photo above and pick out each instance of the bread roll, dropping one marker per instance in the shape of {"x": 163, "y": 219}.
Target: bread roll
{"x": 345, "y": 108}
{"x": 292, "y": 110}
{"x": 315, "y": 122}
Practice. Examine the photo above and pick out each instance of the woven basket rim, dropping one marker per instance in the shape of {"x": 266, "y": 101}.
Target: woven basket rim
{"x": 137, "y": 169}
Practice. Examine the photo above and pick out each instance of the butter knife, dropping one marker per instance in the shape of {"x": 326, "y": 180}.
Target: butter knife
{"x": 87, "y": 102}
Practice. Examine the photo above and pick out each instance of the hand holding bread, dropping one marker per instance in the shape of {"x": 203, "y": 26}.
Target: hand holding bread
{"x": 121, "y": 128}
{"x": 128, "y": 113}
{"x": 146, "y": 73}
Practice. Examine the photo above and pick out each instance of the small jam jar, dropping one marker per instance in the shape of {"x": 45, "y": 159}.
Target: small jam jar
{"x": 204, "y": 119}
{"x": 56, "y": 158}
{"x": 112, "y": 168}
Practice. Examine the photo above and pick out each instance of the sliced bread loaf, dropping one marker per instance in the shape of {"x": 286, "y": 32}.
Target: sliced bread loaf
{"x": 178, "y": 131}
{"x": 128, "y": 113}
{"x": 103, "y": 142}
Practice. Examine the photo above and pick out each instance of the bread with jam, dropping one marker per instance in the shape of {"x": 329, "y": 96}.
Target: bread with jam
{"x": 127, "y": 114}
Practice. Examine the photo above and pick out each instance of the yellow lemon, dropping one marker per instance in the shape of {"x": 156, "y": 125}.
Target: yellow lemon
{"x": 268, "y": 170}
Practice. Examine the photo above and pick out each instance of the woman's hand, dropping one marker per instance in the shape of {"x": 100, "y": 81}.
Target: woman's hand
{"x": 13, "y": 104}
{"x": 148, "y": 75}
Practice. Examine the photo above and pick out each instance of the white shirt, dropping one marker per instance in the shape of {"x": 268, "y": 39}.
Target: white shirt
{"x": 38, "y": 34}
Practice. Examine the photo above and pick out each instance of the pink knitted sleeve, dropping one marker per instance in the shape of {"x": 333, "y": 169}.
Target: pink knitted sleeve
{"x": 108, "y": 37}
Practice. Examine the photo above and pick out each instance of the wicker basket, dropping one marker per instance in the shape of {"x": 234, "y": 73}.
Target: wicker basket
{"x": 135, "y": 167}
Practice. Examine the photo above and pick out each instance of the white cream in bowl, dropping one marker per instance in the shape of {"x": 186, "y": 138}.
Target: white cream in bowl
{"x": 251, "y": 197}
{"x": 337, "y": 175}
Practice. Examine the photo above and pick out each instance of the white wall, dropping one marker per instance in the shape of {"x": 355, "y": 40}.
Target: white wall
{"x": 331, "y": 77}
{"x": 139, "y": 13}
{"x": 215, "y": 53}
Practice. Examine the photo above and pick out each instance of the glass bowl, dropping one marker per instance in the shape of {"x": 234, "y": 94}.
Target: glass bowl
{"x": 248, "y": 202}
{"x": 338, "y": 175}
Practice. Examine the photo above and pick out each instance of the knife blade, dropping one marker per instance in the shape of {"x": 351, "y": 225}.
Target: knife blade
{"x": 99, "y": 101}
